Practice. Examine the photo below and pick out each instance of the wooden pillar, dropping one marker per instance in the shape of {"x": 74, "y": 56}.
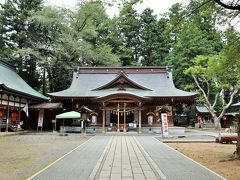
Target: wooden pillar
{"x": 7, "y": 115}
{"x": 173, "y": 119}
{"x": 118, "y": 119}
{"x": 103, "y": 116}
{"x": 139, "y": 118}
{"x": 3, "y": 110}
{"x": 124, "y": 116}
{"x": 19, "y": 111}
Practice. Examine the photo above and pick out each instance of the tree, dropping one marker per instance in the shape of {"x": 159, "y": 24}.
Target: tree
{"x": 16, "y": 31}
{"x": 237, "y": 152}
{"x": 153, "y": 47}
{"x": 217, "y": 77}
{"x": 52, "y": 24}
{"x": 232, "y": 5}
{"x": 192, "y": 36}
{"x": 128, "y": 27}
{"x": 67, "y": 40}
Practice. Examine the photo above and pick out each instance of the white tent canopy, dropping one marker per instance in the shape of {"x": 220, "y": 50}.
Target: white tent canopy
{"x": 69, "y": 115}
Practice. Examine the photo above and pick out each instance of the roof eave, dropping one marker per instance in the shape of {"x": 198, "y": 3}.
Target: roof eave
{"x": 26, "y": 95}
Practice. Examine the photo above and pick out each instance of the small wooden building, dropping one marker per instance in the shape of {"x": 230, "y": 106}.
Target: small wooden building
{"x": 15, "y": 94}
{"x": 203, "y": 117}
{"x": 124, "y": 98}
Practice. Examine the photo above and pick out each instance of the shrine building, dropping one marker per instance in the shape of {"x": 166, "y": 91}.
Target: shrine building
{"x": 123, "y": 98}
{"x": 15, "y": 94}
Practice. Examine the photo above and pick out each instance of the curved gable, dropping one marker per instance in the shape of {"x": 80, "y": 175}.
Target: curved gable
{"x": 121, "y": 81}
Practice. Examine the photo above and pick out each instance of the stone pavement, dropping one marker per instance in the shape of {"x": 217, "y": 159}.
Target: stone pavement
{"x": 125, "y": 157}
{"x": 174, "y": 165}
{"x": 125, "y": 160}
{"x": 78, "y": 164}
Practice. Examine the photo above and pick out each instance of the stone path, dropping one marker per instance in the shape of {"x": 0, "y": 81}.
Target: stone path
{"x": 125, "y": 157}
{"x": 78, "y": 164}
{"x": 125, "y": 160}
{"x": 174, "y": 165}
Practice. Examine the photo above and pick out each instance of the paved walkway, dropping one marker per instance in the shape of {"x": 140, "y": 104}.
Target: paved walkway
{"x": 125, "y": 160}
{"x": 174, "y": 165}
{"x": 77, "y": 165}
{"x": 125, "y": 157}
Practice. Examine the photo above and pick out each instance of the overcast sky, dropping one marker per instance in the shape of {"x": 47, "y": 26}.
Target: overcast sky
{"x": 158, "y": 6}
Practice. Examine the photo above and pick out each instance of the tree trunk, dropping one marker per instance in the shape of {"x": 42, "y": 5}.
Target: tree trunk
{"x": 217, "y": 123}
{"x": 237, "y": 153}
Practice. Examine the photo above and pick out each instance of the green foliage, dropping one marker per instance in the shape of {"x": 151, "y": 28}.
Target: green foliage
{"x": 73, "y": 39}
{"x": 153, "y": 47}
{"x": 217, "y": 76}
{"x": 16, "y": 31}
{"x": 128, "y": 31}
{"x": 193, "y": 35}
{"x": 38, "y": 39}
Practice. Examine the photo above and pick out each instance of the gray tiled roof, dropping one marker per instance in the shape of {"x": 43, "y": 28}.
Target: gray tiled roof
{"x": 10, "y": 80}
{"x": 159, "y": 85}
{"x": 202, "y": 109}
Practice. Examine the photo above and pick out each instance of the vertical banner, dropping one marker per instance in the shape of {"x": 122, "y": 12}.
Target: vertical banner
{"x": 164, "y": 124}
{"x": 40, "y": 118}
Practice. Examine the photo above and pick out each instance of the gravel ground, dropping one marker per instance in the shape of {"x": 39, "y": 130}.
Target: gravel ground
{"x": 23, "y": 155}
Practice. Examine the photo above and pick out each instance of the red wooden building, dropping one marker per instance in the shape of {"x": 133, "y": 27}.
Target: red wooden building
{"x": 15, "y": 94}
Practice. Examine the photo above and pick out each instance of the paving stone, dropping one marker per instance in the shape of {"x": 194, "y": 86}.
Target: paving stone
{"x": 127, "y": 178}
{"x": 105, "y": 174}
{"x": 127, "y": 173}
{"x": 116, "y": 170}
{"x": 139, "y": 177}
{"x": 146, "y": 167}
{"x": 149, "y": 174}
{"x": 150, "y": 178}
{"x": 137, "y": 170}
{"x": 116, "y": 176}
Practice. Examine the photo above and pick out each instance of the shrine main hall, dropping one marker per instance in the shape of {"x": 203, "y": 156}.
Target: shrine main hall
{"x": 123, "y": 98}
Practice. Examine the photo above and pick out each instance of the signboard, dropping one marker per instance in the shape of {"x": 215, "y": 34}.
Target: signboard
{"x": 40, "y": 118}
{"x": 164, "y": 124}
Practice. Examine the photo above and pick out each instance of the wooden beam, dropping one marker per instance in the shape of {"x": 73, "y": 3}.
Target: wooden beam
{"x": 122, "y": 101}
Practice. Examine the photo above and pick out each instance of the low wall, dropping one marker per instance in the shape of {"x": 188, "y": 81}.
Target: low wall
{"x": 145, "y": 130}
{"x": 158, "y": 130}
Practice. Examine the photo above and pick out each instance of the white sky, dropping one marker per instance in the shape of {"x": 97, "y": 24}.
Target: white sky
{"x": 158, "y": 6}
